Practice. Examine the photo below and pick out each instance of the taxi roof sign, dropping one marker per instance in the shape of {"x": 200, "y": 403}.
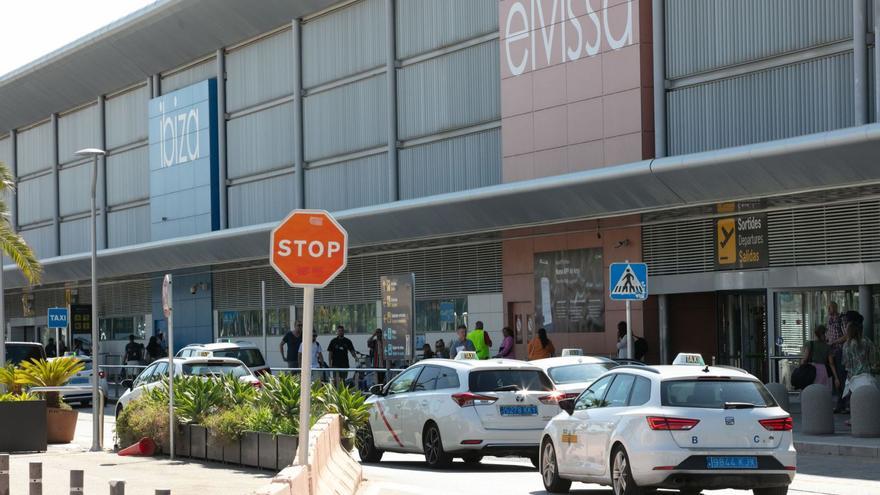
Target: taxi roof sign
{"x": 572, "y": 352}
{"x": 689, "y": 359}
{"x": 466, "y": 356}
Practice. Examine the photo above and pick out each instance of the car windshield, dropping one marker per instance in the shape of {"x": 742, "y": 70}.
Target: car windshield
{"x": 253, "y": 358}
{"x": 508, "y": 380}
{"x": 16, "y": 354}
{"x": 577, "y": 373}
{"x": 714, "y": 394}
{"x": 215, "y": 369}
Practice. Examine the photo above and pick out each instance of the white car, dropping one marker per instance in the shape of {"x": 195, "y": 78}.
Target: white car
{"x": 573, "y": 374}
{"x": 152, "y": 375}
{"x": 84, "y": 378}
{"x": 246, "y": 352}
{"x": 460, "y": 408}
{"x": 685, "y": 427}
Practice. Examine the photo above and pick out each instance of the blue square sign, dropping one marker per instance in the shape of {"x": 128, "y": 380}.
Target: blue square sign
{"x": 57, "y": 317}
{"x": 629, "y": 281}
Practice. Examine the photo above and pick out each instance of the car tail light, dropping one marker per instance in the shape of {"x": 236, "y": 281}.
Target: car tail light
{"x": 465, "y": 399}
{"x": 777, "y": 424}
{"x": 674, "y": 424}
{"x": 790, "y": 468}
{"x": 102, "y": 375}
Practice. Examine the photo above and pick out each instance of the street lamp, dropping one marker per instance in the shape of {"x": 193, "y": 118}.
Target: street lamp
{"x": 97, "y": 416}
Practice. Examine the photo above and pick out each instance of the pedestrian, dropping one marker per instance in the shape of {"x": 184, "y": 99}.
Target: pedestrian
{"x": 440, "y": 350}
{"x": 317, "y": 357}
{"x": 460, "y": 343}
{"x": 134, "y": 352}
{"x": 340, "y": 347}
{"x": 427, "y": 353}
{"x": 160, "y": 339}
{"x": 541, "y": 347}
{"x": 835, "y": 336}
{"x": 154, "y": 350}
{"x": 79, "y": 348}
{"x": 859, "y": 356}
{"x": 376, "y": 345}
{"x": 293, "y": 340}
{"x": 621, "y": 340}
{"x": 818, "y": 353}
{"x": 507, "y": 348}
{"x": 480, "y": 339}
{"x": 50, "y": 348}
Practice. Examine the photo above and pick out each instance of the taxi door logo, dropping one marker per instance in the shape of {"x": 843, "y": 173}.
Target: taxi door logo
{"x": 726, "y": 240}
{"x": 569, "y": 437}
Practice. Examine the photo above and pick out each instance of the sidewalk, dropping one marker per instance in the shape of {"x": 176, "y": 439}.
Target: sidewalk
{"x": 840, "y": 443}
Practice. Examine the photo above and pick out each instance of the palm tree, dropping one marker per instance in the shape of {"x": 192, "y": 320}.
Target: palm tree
{"x": 12, "y": 244}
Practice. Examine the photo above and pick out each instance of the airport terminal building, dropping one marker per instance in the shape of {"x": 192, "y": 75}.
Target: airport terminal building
{"x": 505, "y": 152}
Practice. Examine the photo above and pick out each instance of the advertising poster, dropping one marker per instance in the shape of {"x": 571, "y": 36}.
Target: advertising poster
{"x": 570, "y": 291}
{"x": 397, "y": 315}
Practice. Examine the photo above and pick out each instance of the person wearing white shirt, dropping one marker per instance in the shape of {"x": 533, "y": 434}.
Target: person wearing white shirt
{"x": 317, "y": 356}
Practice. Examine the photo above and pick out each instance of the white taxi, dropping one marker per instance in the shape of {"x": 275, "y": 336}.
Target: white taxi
{"x": 687, "y": 426}
{"x": 461, "y": 408}
{"x": 573, "y": 374}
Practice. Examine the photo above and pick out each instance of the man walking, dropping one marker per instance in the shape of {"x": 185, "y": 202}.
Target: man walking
{"x": 340, "y": 347}
{"x": 460, "y": 343}
{"x": 480, "y": 339}
{"x": 293, "y": 340}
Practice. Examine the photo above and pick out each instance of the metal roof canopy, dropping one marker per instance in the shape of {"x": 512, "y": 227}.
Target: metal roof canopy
{"x": 819, "y": 161}
{"x": 159, "y": 37}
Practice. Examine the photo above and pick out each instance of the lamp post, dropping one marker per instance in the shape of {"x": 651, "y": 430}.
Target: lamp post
{"x": 97, "y": 416}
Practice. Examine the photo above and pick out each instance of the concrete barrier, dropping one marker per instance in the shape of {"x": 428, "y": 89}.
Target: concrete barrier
{"x": 817, "y": 410}
{"x": 864, "y": 404}
{"x": 331, "y": 470}
{"x": 780, "y": 393}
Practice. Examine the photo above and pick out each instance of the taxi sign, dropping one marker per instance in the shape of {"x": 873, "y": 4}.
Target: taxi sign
{"x": 689, "y": 359}
{"x": 572, "y": 352}
{"x": 466, "y": 356}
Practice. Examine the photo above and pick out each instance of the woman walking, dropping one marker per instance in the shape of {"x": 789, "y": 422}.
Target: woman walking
{"x": 507, "y": 350}
{"x": 541, "y": 347}
{"x": 859, "y": 356}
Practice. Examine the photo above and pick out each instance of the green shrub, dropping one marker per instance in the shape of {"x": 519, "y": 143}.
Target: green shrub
{"x": 238, "y": 393}
{"x": 143, "y": 417}
{"x": 348, "y": 403}
{"x": 228, "y": 424}
{"x": 14, "y": 397}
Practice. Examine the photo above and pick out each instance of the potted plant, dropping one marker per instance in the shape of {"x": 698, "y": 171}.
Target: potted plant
{"x": 60, "y": 418}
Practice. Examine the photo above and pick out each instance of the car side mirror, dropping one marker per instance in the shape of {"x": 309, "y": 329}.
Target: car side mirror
{"x": 376, "y": 389}
{"x": 567, "y": 405}
{"x": 127, "y": 383}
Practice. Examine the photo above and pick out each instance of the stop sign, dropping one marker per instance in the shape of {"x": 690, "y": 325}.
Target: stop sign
{"x": 309, "y": 248}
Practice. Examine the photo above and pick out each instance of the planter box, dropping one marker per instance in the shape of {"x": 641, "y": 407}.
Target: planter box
{"x": 24, "y": 426}
{"x": 198, "y": 441}
{"x": 215, "y": 447}
{"x": 232, "y": 452}
{"x": 268, "y": 451}
{"x": 250, "y": 449}
{"x": 181, "y": 441}
{"x": 286, "y": 450}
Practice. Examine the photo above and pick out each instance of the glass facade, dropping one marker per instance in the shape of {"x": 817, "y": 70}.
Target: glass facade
{"x": 356, "y": 318}
{"x": 120, "y": 327}
{"x": 248, "y": 323}
{"x": 441, "y": 315}
{"x": 799, "y": 312}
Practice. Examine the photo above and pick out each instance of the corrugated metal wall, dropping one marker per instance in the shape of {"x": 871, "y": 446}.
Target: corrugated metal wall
{"x": 191, "y": 75}
{"x": 6, "y": 151}
{"x": 128, "y": 226}
{"x": 350, "y": 184}
{"x": 75, "y": 184}
{"x": 34, "y": 149}
{"x": 259, "y": 72}
{"x": 424, "y": 25}
{"x": 33, "y": 203}
{"x": 126, "y": 116}
{"x": 128, "y": 176}
{"x": 77, "y": 130}
{"x": 40, "y": 239}
{"x": 76, "y": 236}
{"x": 792, "y": 100}
{"x": 260, "y": 142}
{"x": 261, "y": 201}
{"x": 702, "y": 35}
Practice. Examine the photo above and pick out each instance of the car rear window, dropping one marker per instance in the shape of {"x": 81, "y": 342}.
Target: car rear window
{"x": 16, "y": 354}
{"x": 215, "y": 369}
{"x": 714, "y": 394}
{"x": 492, "y": 380}
{"x": 577, "y": 373}
{"x": 252, "y": 358}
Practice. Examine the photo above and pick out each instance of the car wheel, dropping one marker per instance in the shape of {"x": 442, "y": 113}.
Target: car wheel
{"x": 432, "y": 446}
{"x": 550, "y": 470}
{"x": 367, "y": 450}
{"x": 472, "y": 458}
{"x": 776, "y": 490}
{"x": 622, "y": 481}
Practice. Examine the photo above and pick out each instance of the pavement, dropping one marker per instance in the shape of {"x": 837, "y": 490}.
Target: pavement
{"x": 143, "y": 475}
{"x": 840, "y": 443}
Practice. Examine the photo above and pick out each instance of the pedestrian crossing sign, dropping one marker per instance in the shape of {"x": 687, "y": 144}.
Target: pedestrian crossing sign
{"x": 629, "y": 281}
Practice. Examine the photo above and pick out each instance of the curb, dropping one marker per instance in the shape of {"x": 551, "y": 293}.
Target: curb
{"x": 821, "y": 448}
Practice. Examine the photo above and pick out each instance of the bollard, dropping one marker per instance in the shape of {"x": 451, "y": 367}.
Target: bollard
{"x": 817, "y": 410}
{"x": 117, "y": 487}
{"x": 4, "y": 474}
{"x": 780, "y": 393}
{"x": 76, "y": 482}
{"x": 864, "y": 404}
{"x": 35, "y": 478}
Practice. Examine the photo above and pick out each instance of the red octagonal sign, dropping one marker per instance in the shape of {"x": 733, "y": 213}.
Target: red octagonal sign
{"x": 309, "y": 248}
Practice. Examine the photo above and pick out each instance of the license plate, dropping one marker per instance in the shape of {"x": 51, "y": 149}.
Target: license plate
{"x": 743, "y": 462}
{"x": 519, "y": 410}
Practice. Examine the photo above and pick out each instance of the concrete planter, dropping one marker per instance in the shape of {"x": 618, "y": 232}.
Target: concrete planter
{"x": 268, "y": 451}
{"x": 25, "y": 426}
{"x": 198, "y": 443}
{"x": 232, "y": 452}
{"x": 214, "y": 447}
{"x": 181, "y": 441}
{"x": 250, "y": 449}
{"x": 286, "y": 450}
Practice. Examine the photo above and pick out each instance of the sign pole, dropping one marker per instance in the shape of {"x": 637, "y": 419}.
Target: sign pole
{"x": 305, "y": 400}
{"x": 58, "y": 343}
{"x": 168, "y": 309}
{"x": 263, "y": 319}
{"x": 629, "y": 330}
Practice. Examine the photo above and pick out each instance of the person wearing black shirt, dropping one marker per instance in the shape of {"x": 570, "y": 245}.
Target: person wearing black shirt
{"x": 339, "y": 349}
{"x": 293, "y": 339}
{"x": 134, "y": 351}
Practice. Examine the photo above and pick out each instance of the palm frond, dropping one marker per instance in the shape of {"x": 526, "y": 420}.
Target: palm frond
{"x": 7, "y": 180}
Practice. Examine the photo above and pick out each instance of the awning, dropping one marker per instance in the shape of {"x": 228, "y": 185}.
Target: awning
{"x": 819, "y": 161}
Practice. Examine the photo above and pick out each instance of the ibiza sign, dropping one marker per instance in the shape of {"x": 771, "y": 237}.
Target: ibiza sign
{"x": 540, "y": 33}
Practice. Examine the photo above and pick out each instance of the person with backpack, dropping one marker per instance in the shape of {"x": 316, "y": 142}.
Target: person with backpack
{"x": 480, "y": 339}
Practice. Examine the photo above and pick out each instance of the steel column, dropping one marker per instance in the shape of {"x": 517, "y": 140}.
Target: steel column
{"x": 299, "y": 173}
{"x": 102, "y": 173}
{"x": 221, "y": 134}
{"x": 866, "y": 308}
{"x": 391, "y": 74}
{"x": 56, "y": 189}
{"x": 663, "y": 316}
{"x": 860, "y": 62}
{"x": 659, "y": 63}
{"x": 13, "y": 167}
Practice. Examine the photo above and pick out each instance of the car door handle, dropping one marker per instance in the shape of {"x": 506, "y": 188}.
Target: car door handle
{"x": 424, "y": 403}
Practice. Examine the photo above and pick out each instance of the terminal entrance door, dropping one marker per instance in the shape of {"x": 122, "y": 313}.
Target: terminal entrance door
{"x": 742, "y": 339}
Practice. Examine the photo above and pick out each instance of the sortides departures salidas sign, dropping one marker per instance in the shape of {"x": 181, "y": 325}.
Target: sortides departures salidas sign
{"x": 540, "y": 32}
{"x": 184, "y": 173}
{"x": 741, "y": 237}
